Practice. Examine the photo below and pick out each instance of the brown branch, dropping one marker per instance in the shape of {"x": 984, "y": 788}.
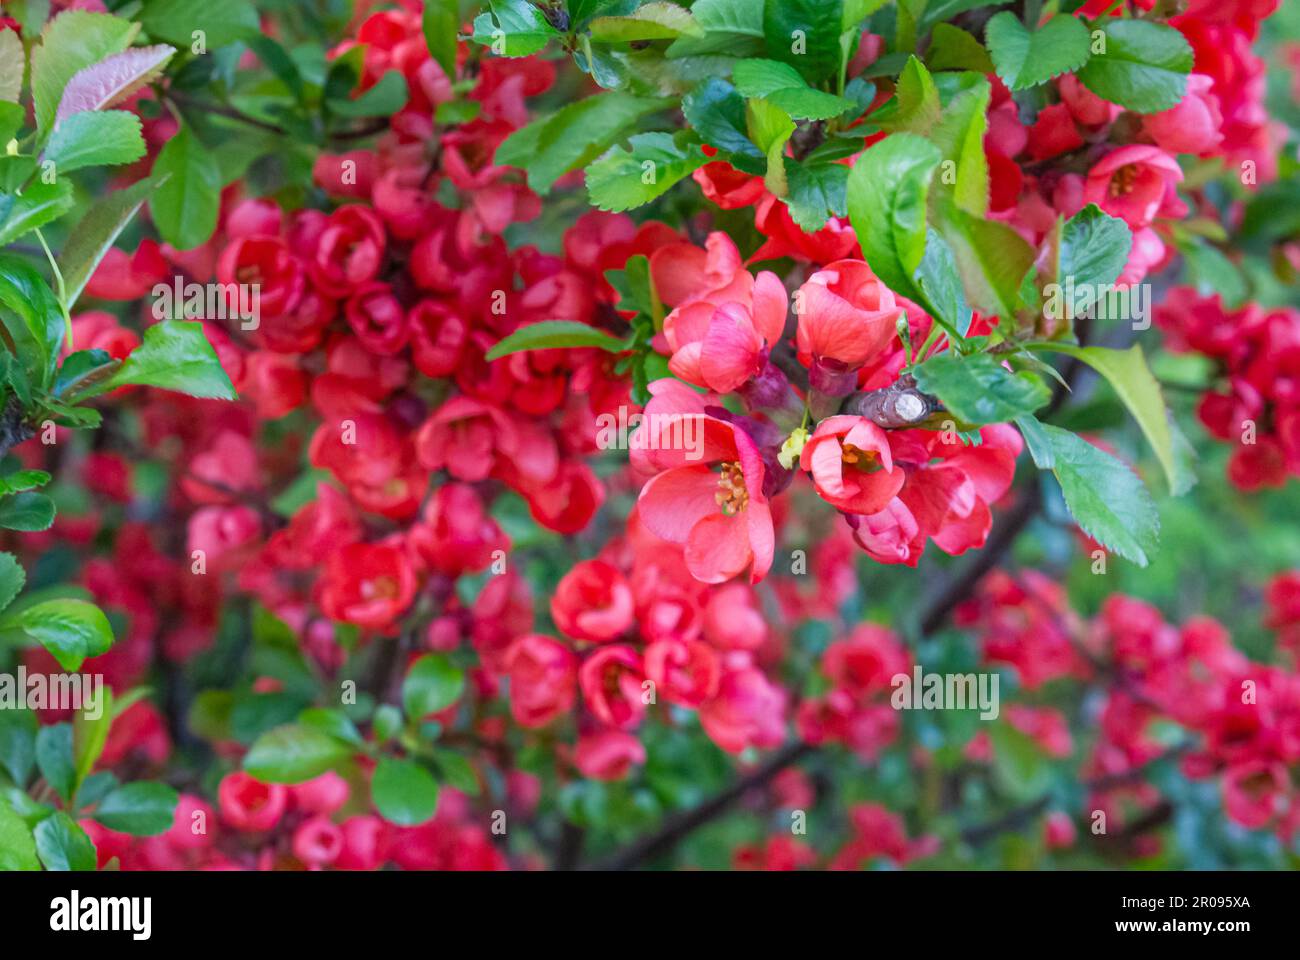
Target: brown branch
{"x": 897, "y": 406}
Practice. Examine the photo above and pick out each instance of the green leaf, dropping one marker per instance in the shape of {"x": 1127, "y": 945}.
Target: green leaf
{"x": 1025, "y": 59}
{"x": 734, "y": 27}
{"x": 514, "y": 28}
{"x": 940, "y": 285}
{"x": 175, "y": 355}
{"x": 30, "y": 512}
{"x": 38, "y": 205}
{"x": 89, "y": 734}
{"x": 887, "y": 192}
{"x": 91, "y": 239}
{"x": 457, "y": 772}
{"x": 142, "y": 809}
{"x": 384, "y": 99}
{"x": 18, "y": 744}
{"x": 1130, "y": 377}
{"x": 656, "y": 20}
{"x": 1019, "y": 763}
{"x": 72, "y": 41}
{"x": 1094, "y": 247}
{"x": 1144, "y": 66}
{"x": 333, "y": 722}
{"x": 17, "y": 844}
{"x": 441, "y": 22}
{"x": 623, "y": 179}
{"x": 431, "y": 685}
{"x": 294, "y": 754}
{"x": 804, "y": 34}
{"x": 13, "y": 61}
{"x": 716, "y": 111}
{"x": 63, "y": 845}
{"x": 770, "y": 128}
{"x": 916, "y": 106}
{"x": 403, "y": 792}
{"x": 781, "y": 84}
{"x": 187, "y": 199}
{"x": 222, "y": 21}
{"x": 573, "y": 136}
{"x": 991, "y": 258}
{"x": 817, "y": 192}
{"x": 12, "y": 579}
{"x": 22, "y": 480}
{"x": 1105, "y": 497}
{"x": 88, "y": 139}
{"x": 73, "y": 631}
{"x": 555, "y": 334}
{"x": 978, "y": 389}
{"x": 54, "y": 759}
{"x": 959, "y": 134}
{"x": 12, "y": 116}
{"x": 952, "y": 48}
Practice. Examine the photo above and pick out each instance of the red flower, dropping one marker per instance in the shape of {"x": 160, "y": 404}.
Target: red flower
{"x": 611, "y": 684}
{"x": 851, "y": 464}
{"x": 685, "y": 672}
{"x": 845, "y": 314}
{"x": 607, "y": 755}
{"x": 368, "y": 584}
{"x": 349, "y": 252}
{"x": 592, "y": 602}
{"x": 1132, "y": 183}
{"x": 543, "y": 679}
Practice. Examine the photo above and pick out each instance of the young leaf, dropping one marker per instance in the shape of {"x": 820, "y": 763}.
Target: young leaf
{"x": 72, "y": 631}
{"x": 95, "y": 139}
{"x": 1025, "y": 59}
{"x": 514, "y": 28}
{"x": 978, "y": 389}
{"x": 12, "y": 61}
{"x": 991, "y": 258}
{"x": 781, "y": 84}
{"x": 72, "y": 41}
{"x": 952, "y": 48}
{"x": 175, "y": 355}
{"x": 623, "y": 179}
{"x": 552, "y": 334}
{"x": 817, "y": 192}
{"x": 142, "y": 809}
{"x": 12, "y": 579}
{"x": 54, "y": 758}
{"x": 916, "y": 106}
{"x": 940, "y": 285}
{"x": 1144, "y": 66}
{"x": 804, "y": 34}
{"x": 959, "y": 134}
{"x": 573, "y": 136}
{"x": 111, "y": 80}
{"x": 89, "y": 734}
{"x": 656, "y": 20}
{"x": 887, "y": 192}
{"x": 187, "y": 199}
{"x": 1105, "y": 497}
{"x": 63, "y": 845}
{"x": 91, "y": 239}
{"x": 734, "y": 27}
{"x": 294, "y": 754}
{"x": 404, "y": 792}
{"x": 1094, "y": 247}
{"x": 38, "y": 205}
{"x": 38, "y": 331}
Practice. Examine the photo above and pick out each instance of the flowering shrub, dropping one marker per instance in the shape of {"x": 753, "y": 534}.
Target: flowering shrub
{"x": 460, "y": 436}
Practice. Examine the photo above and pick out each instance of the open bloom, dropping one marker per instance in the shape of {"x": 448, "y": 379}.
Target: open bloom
{"x": 543, "y": 679}
{"x": 1132, "y": 183}
{"x": 851, "y": 464}
{"x": 714, "y": 506}
{"x": 845, "y": 314}
{"x": 725, "y": 319}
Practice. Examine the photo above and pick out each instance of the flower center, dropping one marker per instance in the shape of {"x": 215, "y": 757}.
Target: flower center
{"x": 732, "y": 496}
{"x": 1122, "y": 182}
{"x": 861, "y": 459}
{"x": 379, "y": 587}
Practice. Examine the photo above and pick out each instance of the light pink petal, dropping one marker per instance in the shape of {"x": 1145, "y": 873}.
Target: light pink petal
{"x": 718, "y": 548}
{"x": 676, "y": 500}
{"x": 731, "y": 350}
{"x": 771, "y": 304}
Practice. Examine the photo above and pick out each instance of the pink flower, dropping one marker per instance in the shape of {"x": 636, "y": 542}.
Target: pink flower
{"x": 749, "y": 710}
{"x": 851, "y": 464}
{"x": 248, "y": 804}
{"x": 845, "y": 314}
{"x": 685, "y": 672}
{"x": 1193, "y": 126}
{"x": 1131, "y": 183}
{"x": 721, "y": 516}
{"x": 543, "y": 679}
{"x": 592, "y": 602}
{"x": 607, "y": 755}
{"x": 611, "y": 681}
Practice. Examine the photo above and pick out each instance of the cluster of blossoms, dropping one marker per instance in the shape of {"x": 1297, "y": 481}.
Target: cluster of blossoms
{"x": 1240, "y": 718}
{"x": 1256, "y": 406}
{"x": 367, "y": 359}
